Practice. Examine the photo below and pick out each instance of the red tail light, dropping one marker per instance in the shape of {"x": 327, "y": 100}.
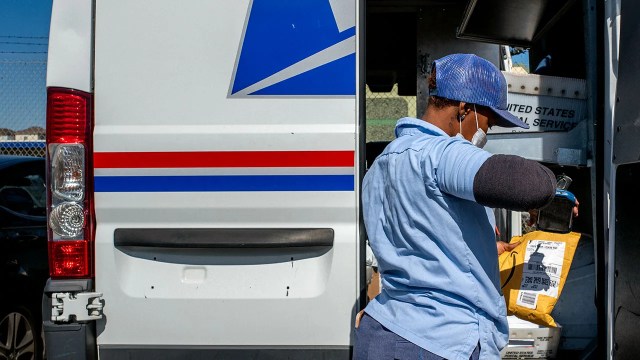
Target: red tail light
{"x": 70, "y": 183}
{"x": 69, "y": 258}
{"x": 68, "y": 116}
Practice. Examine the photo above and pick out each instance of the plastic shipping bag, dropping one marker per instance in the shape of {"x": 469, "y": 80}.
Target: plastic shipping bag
{"x": 533, "y": 274}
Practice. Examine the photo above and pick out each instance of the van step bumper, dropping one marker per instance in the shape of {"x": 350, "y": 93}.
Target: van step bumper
{"x": 74, "y": 340}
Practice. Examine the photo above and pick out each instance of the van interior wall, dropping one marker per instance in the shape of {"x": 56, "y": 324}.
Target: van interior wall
{"x": 436, "y": 38}
{"x": 391, "y": 50}
{"x": 403, "y": 38}
{"x": 564, "y": 44}
{"x": 560, "y": 51}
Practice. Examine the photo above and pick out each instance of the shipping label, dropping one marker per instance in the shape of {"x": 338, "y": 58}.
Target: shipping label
{"x": 541, "y": 272}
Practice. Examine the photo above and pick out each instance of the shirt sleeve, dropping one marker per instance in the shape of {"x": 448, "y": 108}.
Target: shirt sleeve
{"x": 514, "y": 183}
{"x": 457, "y": 168}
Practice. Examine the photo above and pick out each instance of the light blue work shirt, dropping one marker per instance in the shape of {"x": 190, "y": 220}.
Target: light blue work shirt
{"x": 435, "y": 246}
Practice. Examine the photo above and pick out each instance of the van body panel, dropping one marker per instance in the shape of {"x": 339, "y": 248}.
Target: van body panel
{"x": 70, "y": 45}
{"x": 178, "y": 149}
{"x": 228, "y": 150}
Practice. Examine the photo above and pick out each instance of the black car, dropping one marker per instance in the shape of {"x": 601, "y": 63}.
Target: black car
{"x": 23, "y": 256}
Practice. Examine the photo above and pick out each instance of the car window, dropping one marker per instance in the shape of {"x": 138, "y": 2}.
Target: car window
{"x": 22, "y": 189}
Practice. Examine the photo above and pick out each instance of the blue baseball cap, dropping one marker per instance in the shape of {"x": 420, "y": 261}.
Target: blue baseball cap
{"x": 472, "y": 79}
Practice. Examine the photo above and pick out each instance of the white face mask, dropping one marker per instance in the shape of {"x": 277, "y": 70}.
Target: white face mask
{"x": 479, "y": 139}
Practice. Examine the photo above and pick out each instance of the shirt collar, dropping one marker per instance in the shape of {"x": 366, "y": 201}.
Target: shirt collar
{"x": 412, "y": 126}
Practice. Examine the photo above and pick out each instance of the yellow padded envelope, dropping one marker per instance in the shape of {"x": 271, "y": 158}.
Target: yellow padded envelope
{"x": 533, "y": 274}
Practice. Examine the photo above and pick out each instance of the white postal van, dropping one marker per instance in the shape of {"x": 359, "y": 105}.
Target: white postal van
{"x": 205, "y": 160}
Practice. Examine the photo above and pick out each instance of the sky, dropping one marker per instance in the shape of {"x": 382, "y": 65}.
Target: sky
{"x": 521, "y": 59}
{"x": 24, "y": 33}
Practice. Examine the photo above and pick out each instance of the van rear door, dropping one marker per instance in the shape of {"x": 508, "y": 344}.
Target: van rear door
{"x": 225, "y": 180}
{"x": 624, "y": 175}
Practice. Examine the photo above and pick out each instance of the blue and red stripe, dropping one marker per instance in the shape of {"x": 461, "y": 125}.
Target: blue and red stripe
{"x": 226, "y": 159}
{"x": 225, "y": 183}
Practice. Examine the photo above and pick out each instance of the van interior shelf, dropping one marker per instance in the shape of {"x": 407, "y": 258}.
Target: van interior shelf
{"x": 520, "y": 22}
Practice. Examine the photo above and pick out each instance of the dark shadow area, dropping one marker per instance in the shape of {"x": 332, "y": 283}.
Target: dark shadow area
{"x": 224, "y": 256}
{"x": 627, "y": 267}
{"x": 581, "y": 188}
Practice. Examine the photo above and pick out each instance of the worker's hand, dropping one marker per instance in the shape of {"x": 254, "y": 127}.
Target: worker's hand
{"x": 503, "y": 246}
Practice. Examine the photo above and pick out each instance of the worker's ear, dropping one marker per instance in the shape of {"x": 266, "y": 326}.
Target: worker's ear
{"x": 462, "y": 110}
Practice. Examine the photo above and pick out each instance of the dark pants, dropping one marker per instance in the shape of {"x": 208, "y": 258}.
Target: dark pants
{"x": 376, "y": 342}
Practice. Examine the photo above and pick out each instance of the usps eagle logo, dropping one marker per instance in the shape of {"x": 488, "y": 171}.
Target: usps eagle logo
{"x": 297, "y": 48}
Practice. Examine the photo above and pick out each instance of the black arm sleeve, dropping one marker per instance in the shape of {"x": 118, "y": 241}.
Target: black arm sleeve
{"x": 514, "y": 183}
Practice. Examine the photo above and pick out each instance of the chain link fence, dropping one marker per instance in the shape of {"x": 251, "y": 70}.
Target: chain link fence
{"x": 383, "y": 111}
{"x": 22, "y": 107}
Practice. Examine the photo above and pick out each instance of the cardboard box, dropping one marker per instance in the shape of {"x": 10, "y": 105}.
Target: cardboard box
{"x": 374, "y": 286}
{"x": 531, "y": 341}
